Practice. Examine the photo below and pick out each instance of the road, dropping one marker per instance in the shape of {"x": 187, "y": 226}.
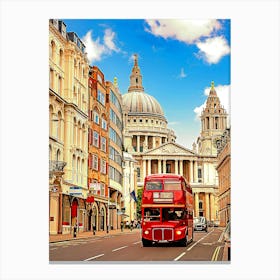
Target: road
{"x": 128, "y": 247}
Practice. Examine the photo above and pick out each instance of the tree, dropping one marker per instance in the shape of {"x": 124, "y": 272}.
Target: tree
{"x": 139, "y": 202}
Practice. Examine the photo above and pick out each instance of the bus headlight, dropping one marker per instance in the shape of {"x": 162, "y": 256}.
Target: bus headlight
{"x": 178, "y": 232}
{"x": 146, "y": 232}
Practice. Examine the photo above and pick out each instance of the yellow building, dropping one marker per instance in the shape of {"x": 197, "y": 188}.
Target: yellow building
{"x": 224, "y": 171}
{"x": 68, "y": 128}
{"x": 115, "y": 155}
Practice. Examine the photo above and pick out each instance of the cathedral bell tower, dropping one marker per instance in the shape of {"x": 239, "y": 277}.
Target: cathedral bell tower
{"x": 213, "y": 123}
{"x": 135, "y": 77}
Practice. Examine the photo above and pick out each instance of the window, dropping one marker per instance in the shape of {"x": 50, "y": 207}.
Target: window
{"x": 59, "y": 85}
{"x": 115, "y": 101}
{"x": 51, "y": 79}
{"x": 102, "y": 189}
{"x": 172, "y": 185}
{"x": 153, "y": 186}
{"x": 104, "y": 124}
{"x": 151, "y": 214}
{"x": 60, "y": 58}
{"x": 95, "y": 116}
{"x": 95, "y": 162}
{"x": 95, "y": 139}
{"x": 103, "y": 166}
{"x": 101, "y": 97}
{"x": 103, "y": 144}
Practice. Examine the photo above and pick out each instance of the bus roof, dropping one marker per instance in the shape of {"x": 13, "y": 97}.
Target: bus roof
{"x": 165, "y": 176}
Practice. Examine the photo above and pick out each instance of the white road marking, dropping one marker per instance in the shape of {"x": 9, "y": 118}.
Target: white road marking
{"x": 53, "y": 248}
{"x": 180, "y": 256}
{"x": 137, "y": 242}
{"x": 95, "y": 257}
{"x": 199, "y": 240}
{"x": 119, "y": 248}
{"x": 221, "y": 237}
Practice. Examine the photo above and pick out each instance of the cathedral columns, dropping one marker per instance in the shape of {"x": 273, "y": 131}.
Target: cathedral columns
{"x": 212, "y": 205}
{"x": 159, "y": 166}
{"x": 154, "y": 141}
{"x": 176, "y": 166}
{"x": 181, "y": 167}
{"x": 196, "y": 204}
{"x": 191, "y": 171}
{"x": 207, "y": 208}
{"x": 149, "y": 167}
{"x": 144, "y": 169}
{"x": 164, "y": 166}
{"x": 195, "y": 172}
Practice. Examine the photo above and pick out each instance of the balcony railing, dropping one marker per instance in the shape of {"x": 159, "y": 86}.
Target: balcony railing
{"x": 56, "y": 166}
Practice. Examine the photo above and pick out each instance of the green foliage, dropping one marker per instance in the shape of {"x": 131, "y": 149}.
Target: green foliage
{"x": 139, "y": 202}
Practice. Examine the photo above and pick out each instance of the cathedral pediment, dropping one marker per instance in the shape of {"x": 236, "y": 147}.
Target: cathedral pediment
{"x": 169, "y": 149}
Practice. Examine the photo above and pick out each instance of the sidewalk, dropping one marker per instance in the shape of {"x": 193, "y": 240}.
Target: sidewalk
{"x": 89, "y": 234}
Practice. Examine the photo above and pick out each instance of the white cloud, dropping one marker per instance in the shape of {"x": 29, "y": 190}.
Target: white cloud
{"x": 199, "y": 32}
{"x": 95, "y": 49}
{"x": 108, "y": 40}
{"x": 213, "y": 49}
{"x": 223, "y": 92}
{"x": 182, "y": 74}
{"x": 188, "y": 31}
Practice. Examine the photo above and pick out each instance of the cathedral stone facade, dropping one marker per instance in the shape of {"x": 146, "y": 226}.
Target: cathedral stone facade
{"x": 153, "y": 145}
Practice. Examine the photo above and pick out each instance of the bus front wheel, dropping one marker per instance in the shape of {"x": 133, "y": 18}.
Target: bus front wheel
{"x": 146, "y": 243}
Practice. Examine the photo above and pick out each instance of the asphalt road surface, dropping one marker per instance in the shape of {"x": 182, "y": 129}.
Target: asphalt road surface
{"x": 128, "y": 247}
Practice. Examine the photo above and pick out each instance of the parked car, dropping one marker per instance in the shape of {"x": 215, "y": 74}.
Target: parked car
{"x": 200, "y": 223}
{"x": 227, "y": 239}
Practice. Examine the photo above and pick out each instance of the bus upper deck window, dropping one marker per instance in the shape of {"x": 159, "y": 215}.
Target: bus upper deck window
{"x": 150, "y": 186}
{"x": 172, "y": 185}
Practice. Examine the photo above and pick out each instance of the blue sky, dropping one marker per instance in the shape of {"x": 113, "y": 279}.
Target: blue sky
{"x": 178, "y": 60}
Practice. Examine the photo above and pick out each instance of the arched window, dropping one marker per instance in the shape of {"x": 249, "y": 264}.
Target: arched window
{"x": 216, "y": 122}
{"x": 51, "y": 78}
{"x": 58, "y": 155}
{"x": 78, "y": 169}
{"x": 75, "y": 67}
{"x": 59, "y": 126}
{"x": 79, "y": 134}
{"x": 51, "y": 123}
{"x": 75, "y": 132}
{"x": 207, "y": 123}
{"x": 96, "y": 116}
{"x": 60, "y": 57}
{"x": 53, "y": 49}
{"x": 50, "y": 152}
{"x": 84, "y": 140}
{"x": 82, "y": 169}
{"x": 73, "y": 167}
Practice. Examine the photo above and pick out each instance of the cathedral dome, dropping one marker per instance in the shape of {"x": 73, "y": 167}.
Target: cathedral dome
{"x": 136, "y": 100}
{"x": 139, "y": 102}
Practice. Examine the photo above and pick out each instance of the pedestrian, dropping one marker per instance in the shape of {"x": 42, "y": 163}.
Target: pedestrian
{"x": 131, "y": 225}
{"x": 122, "y": 225}
{"x": 75, "y": 230}
{"x": 127, "y": 224}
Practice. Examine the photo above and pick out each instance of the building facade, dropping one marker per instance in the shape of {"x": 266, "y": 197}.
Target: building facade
{"x": 98, "y": 150}
{"x": 115, "y": 155}
{"x": 68, "y": 129}
{"x": 224, "y": 171}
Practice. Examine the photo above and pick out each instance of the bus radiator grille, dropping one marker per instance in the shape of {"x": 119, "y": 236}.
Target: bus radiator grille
{"x": 163, "y": 234}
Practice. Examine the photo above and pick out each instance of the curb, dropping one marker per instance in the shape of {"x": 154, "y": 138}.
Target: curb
{"x": 92, "y": 236}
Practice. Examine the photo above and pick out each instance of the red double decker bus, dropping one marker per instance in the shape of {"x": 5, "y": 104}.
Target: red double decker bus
{"x": 167, "y": 210}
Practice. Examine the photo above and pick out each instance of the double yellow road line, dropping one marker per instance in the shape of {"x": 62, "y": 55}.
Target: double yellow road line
{"x": 216, "y": 254}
